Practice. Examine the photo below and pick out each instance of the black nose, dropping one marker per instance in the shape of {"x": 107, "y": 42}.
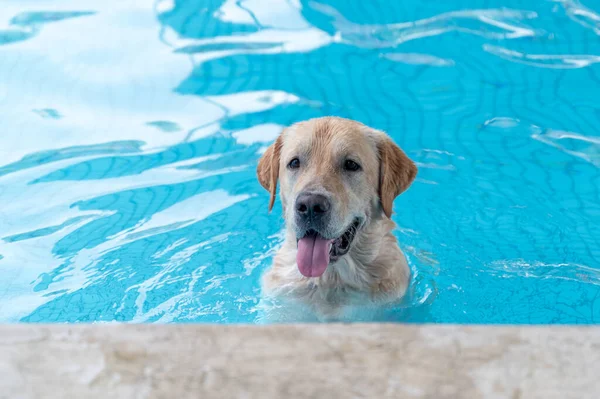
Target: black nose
{"x": 312, "y": 206}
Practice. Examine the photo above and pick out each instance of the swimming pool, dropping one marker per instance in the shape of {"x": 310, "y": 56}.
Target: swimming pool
{"x": 131, "y": 133}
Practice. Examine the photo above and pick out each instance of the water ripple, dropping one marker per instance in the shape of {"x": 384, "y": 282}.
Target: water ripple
{"x": 581, "y": 14}
{"x": 26, "y": 25}
{"x": 540, "y": 270}
{"x": 418, "y": 59}
{"x": 563, "y": 61}
{"x": 489, "y": 23}
{"x": 584, "y": 147}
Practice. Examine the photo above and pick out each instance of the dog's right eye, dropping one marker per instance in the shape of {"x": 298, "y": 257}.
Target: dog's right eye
{"x": 294, "y": 163}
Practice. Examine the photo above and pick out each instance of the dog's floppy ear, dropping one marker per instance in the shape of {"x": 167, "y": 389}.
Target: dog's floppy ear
{"x": 268, "y": 169}
{"x": 396, "y": 173}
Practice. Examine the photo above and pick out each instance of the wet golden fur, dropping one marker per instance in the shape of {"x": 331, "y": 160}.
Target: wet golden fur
{"x": 375, "y": 269}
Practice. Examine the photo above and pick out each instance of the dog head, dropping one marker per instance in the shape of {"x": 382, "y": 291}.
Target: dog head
{"x": 336, "y": 177}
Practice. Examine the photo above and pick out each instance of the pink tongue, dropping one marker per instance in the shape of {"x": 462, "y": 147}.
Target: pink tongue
{"x": 313, "y": 256}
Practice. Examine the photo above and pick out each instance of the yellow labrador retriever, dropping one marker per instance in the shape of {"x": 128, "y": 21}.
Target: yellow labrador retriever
{"x": 338, "y": 179}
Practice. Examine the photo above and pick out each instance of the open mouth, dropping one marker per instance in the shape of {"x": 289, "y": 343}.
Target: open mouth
{"x": 341, "y": 245}
{"x": 316, "y": 252}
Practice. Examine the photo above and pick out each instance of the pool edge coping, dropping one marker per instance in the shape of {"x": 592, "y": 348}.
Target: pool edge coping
{"x": 299, "y": 360}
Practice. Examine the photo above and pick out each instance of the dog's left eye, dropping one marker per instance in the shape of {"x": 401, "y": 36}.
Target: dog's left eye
{"x": 351, "y": 166}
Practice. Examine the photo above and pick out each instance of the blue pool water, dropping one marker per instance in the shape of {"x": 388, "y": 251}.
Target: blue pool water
{"x": 130, "y": 133}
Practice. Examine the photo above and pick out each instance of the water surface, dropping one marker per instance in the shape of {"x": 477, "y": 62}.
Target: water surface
{"x": 131, "y": 131}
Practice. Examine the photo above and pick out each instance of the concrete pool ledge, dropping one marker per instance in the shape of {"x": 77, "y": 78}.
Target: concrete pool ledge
{"x": 304, "y": 361}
